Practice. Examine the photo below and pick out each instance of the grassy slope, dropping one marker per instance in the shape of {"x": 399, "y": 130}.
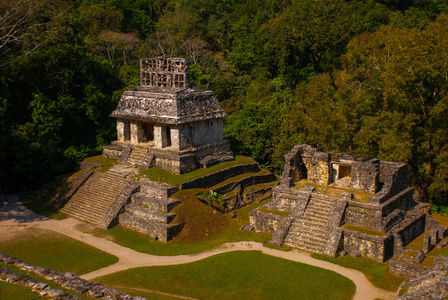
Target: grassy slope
{"x": 40, "y": 205}
{"x": 9, "y": 291}
{"x": 160, "y": 175}
{"x": 236, "y": 275}
{"x": 57, "y": 252}
{"x": 377, "y": 273}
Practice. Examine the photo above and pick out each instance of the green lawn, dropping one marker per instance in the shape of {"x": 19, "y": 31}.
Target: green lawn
{"x": 105, "y": 161}
{"x": 9, "y": 291}
{"x": 159, "y": 175}
{"x": 235, "y": 275}
{"x": 54, "y": 251}
{"x": 376, "y": 272}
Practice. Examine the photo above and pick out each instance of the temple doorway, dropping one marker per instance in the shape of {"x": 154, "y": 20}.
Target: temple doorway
{"x": 148, "y": 132}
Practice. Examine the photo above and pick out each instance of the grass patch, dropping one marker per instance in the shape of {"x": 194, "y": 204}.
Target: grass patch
{"x": 203, "y": 230}
{"x": 364, "y": 230}
{"x": 417, "y": 243}
{"x": 376, "y": 272}
{"x": 237, "y": 275}
{"x": 159, "y": 175}
{"x": 41, "y": 205}
{"x": 105, "y": 161}
{"x": 275, "y": 212}
{"x": 410, "y": 255}
{"x": 238, "y": 178}
{"x": 12, "y": 291}
{"x": 334, "y": 191}
{"x": 57, "y": 252}
{"x": 441, "y": 219}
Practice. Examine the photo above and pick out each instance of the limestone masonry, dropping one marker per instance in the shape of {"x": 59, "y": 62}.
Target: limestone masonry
{"x": 338, "y": 203}
{"x": 166, "y": 123}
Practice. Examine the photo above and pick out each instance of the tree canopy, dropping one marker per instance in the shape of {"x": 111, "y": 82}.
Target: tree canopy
{"x": 368, "y": 77}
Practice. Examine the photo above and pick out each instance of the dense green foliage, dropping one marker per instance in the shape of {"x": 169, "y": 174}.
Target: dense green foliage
{"x": 368, "y": 77}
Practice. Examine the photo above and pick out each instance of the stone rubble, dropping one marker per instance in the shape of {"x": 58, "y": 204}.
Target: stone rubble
{"x": 429, "y": 283}
{"x": 68, "y": 280}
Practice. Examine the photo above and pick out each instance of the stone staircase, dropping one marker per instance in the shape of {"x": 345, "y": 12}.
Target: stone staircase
{"x": 311, "y": 231}
{"x": 151, "y": 215}
{"x": 137, "y": 156}
{"x": 93, "y": 199}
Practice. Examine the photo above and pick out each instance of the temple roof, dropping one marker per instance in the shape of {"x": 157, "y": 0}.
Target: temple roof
{"x": 165, "y": 96}
{"x": 168, "y": 106}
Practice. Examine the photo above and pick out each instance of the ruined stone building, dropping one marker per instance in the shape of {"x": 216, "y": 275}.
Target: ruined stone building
{"x": 164, "y": 123}
{"x": 337, "y": 201}
{"x": 167, "y": 123}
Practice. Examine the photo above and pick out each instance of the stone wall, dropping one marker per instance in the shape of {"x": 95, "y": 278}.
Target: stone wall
{"x": 403, "y": 201}
{"x": 427, "y": 283}
{"x": 411, "y": 228}
{"x": 217, "y": 177}
{"x": 318, "y": 167}
{"x": 156, "y": 189}
{"x": 364, "y": 215}
{"x": 289, "y": 199}
{"x": 265, "y": 222}
{"x": 110, "y": 218}
{"x": 247, "y": 181}
{"x": 200, "y": 133}
{"x": 378, "y": 248}
{"x": 394, "y": 178}
{"x": 67, "y": 280}
{"x": 156, "y": 230}
{"x": 365, "y": 176}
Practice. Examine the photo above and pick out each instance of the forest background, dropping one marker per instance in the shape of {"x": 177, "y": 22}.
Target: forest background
{"x": 368, "y": 77}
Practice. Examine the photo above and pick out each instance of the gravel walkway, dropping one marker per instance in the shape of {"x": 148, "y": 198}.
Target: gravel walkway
{"x": 14, "y": 218}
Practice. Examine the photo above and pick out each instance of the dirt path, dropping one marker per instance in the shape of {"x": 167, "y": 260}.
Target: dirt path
{"x": 15, "y": 218}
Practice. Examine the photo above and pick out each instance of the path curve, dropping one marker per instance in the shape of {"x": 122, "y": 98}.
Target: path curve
{"x": 15, "y": 217}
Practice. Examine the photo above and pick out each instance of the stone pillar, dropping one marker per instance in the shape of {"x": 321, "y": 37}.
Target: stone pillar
{"x": 175, "y": 145}
{"x": 220, "y": 130}
{"x": 140, "y": 134}
{"x": 134, "y": 131}
{"x": 426, "y": 243}
{"x": 435, "y": 236}
{"x": 158, "y": 136}
{"x": 120, "y": 130}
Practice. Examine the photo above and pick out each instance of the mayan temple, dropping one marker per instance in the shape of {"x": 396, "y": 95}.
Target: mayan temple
{"x": 167, "y": 123}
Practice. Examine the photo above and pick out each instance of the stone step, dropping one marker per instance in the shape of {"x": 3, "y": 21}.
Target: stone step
{"x": 306, "y": 239}
{"x": 307, "y": 248}
{"x": 309, "y": 231}
{"x": 315, "y": 206}
{"x": 323, "y": 219}
{"x": 324, "y": 206}
{"x": 92, "y": 205}
{"x": 154, "y": 203}
{"x": 157, "y": 230}
{"x": 94, "y": 197}
{"x": 92, "y": 193}
{"x": 306, "y": 242}
{"x": 146, "y": 213}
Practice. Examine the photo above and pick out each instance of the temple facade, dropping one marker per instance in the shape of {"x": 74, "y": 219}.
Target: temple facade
{"x": 167, "y": 123}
